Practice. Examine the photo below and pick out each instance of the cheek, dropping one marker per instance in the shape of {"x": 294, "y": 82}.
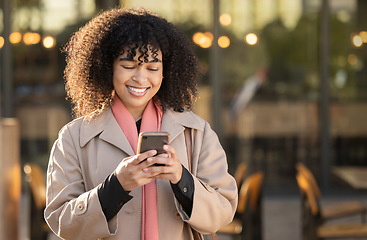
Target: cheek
{"x": 118, "y": 77}
{"x": 158, "y": 82}
{"x": 158, "y": 79}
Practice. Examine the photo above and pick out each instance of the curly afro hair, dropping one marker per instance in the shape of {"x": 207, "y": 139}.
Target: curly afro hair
{"x": 91, "y": 51}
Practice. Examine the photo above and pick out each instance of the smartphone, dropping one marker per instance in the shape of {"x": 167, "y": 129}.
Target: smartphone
{"x": 153, "y": 141}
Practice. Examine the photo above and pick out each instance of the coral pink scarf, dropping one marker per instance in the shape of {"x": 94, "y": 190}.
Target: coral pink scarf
{"x": 151, "y": 121}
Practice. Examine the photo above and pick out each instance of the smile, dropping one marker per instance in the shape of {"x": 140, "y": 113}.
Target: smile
{"x": 137, "y": 90}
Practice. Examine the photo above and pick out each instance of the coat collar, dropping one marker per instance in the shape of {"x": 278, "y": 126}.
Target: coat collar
{"x": 106, "y": 126}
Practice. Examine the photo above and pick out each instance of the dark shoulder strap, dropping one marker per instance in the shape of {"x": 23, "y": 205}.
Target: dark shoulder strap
{"x": 188, "y": 146}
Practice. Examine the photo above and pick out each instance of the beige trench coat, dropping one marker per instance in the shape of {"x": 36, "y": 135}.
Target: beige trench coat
{"x": 87, "y": 152}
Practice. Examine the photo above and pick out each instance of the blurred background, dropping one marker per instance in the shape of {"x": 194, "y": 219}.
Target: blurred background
{"x": 284, "y": 82}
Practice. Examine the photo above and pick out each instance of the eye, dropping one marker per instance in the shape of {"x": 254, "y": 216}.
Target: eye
{"x": 153, "y": 67}
{"x": 128, "y": 67}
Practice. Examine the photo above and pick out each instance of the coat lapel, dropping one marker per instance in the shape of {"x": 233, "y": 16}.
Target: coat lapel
{"x": 106, "y": 126}
{"x": 175, "y": 123}
{"x": 108, "y": 129}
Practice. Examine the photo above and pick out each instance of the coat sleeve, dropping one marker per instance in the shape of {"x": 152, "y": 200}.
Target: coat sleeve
{"x": 215, "y": 196}
{"x": 71, "y": 211}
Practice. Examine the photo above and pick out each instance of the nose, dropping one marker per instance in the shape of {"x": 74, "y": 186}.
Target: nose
{"x": 140, "y": 75}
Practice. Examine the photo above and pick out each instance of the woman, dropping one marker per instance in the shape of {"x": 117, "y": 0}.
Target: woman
{"x": 130, "y": 71}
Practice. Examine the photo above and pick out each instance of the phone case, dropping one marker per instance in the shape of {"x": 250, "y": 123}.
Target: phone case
{"x": 152, "y": 141}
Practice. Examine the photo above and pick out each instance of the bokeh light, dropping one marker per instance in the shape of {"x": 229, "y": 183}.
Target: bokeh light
{"x": 357, "y": 41}
{"x": 31, "y": 38}
{"x": 352, "y": 59}
{"x": 49, "y": 42}
{"x": 15, "y": 37}
{"x": 1, "y": 41}
{"x": 363, "y": 36}
{"x": 251, "y": 38}
{"x": 224, "y": 42}
{"x": 225, "y": 19}
{"x": 204, "y": 40}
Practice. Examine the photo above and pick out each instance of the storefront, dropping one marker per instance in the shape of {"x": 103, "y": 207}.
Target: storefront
{"x": 289, "y": 86}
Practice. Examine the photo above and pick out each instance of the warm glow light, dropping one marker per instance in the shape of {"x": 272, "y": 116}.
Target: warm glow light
{"x": 352, "y": 59}
{"x": 204, "y": 40}
{"x": 363, "y": 35}
{"x": 1, "y": 41}
{"x": 49, "y": 42}
{"x": 209, "y": 35}
{"x": 197, "y": 36}
{"x": 224, "y": 42}
{"x": 357, "y": 41}
{"x": 225, "y": 19}
{"x": 251, "y": 38}
{"x": 30, "y": 38}
{"x": 205, "y": 43}
{"x": 27, "y": 169}
{"x": 15, "y": 37}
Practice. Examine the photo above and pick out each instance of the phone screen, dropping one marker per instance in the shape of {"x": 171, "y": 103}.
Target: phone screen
{"x": 152, "y": 141}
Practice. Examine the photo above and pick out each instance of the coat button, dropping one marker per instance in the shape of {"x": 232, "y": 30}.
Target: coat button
{"x": 80, "y": 206}
{"x": 185, "y": 189}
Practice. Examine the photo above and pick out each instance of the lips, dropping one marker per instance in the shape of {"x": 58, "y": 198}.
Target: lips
{"x": 137, "y": 91}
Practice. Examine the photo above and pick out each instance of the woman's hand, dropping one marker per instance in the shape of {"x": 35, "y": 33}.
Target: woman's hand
{"x": 172, "y": 168}
{"x": 130, "y": 171}
{"x": 138, "y": 170}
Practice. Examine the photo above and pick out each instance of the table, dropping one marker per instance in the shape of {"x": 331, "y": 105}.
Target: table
{"x": 354, "y": 176}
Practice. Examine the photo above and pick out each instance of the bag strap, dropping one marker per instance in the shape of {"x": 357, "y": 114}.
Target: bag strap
{"x": 187, "y": 132}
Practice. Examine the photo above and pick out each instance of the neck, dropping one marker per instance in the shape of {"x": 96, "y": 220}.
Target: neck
{"x": 136, "y": 113}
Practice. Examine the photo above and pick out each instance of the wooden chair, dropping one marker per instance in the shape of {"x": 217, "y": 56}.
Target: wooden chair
{"x": 313, "y": 228}
{"x": 333, "y": 211}
{"x": 37, "y": 186}
{"x": 240, "y": 174}
{"x": 247, "y": 223}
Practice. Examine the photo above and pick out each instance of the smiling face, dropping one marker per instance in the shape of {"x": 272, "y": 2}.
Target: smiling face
{"x": 136, "y": 82}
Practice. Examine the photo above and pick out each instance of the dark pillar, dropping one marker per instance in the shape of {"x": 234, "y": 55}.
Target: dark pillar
{"x": 6, "y": 64}
{"x": 215, "y": 71}
{"x": 324, "y": 96}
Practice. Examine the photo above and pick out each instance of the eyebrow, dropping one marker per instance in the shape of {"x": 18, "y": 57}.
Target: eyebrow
{"x": 132, "y": 60}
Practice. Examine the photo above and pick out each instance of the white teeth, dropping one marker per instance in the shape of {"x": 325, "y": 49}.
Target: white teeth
{"x": 138, "y": 90}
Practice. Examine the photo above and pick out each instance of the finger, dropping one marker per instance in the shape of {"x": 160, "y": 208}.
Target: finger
{"x": 154, "y": 170}
{"x": 172, "y": 170}
{"x": 161, "y": 159}
{"x": 140, "y": 158}
{"x": 170, "y": 150}
{"x": 171, "y": 173}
